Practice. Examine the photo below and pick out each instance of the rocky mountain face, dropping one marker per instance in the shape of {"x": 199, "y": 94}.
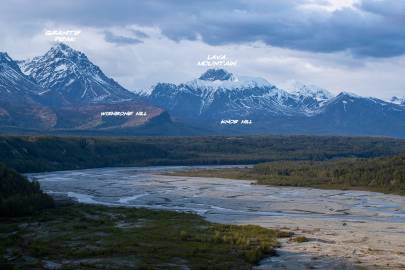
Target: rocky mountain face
{"x": 350, "y": 114}
{"x": 13, "y": 83}
{"x": 62, "y": 91}
{"x": 398, "y": 100}
{"x": 217, "y": 94}
{"x": 227, "y": 103}
{"x": 20, "y": 104}
{"x": 310, "y": 97}
{"x": 70, "y": 73}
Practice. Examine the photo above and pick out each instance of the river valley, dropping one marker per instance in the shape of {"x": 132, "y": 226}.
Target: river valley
{"x": 345, "y": 229}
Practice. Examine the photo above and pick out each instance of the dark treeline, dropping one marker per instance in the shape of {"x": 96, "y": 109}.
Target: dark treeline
{"x": 44, "y": 153}
{"x": 383, "y": 174}
{"x": 18, "y": 196}
{"x": 380, "y": 174}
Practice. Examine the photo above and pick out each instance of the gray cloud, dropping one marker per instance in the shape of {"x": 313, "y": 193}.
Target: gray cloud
{"x": 140, "y": 34}
{"x": 120, "y": 40}
{"x": 394, "y": 10}
{"x": 372, "y": 28}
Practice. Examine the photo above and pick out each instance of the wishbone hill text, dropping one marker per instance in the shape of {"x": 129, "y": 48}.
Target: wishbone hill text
{"x": 129, "y": 113}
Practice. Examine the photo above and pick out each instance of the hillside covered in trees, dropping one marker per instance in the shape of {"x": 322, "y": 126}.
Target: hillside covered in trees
{"x": 384, "y": 174}
{"x": 44, "y": 153}
{"x": 18, "y": 196}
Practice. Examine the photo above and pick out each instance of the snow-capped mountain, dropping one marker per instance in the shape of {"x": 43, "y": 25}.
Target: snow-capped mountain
{"x": 19, "y": 102}
{"x": 350, "y": 114}
{"x": 13, "y": 83}
{"x": 63, "y": 91}
{"x": 398, "y": 100}
{"x": 216, "y": 75}
{"x": 218, "y": 93}
{"x": 311, "y": 97}
{"x": 70, "y": 73}
{"x": 27, "y": 106}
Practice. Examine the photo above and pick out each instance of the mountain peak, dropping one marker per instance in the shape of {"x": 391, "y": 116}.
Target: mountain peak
{"x": 397, "y": 100}
{"x": 4, "y": 57}
{"x": 62, "y": 47}
{"x": 69, "y": 72}
{"x": 216, "y": 74}
{"x": 61, "y": 50}
{"x": 348, "y": 94}
{"x": 313, "y": 91}
{"x": 14, "y": 85}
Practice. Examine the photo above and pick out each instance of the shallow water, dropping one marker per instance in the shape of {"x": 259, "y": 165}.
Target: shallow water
{"x": 229, "y": 201}
{"x": 211, "y": 196}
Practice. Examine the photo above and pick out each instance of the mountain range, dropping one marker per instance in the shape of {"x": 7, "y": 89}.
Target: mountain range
{"x": 218, "y": 98}
{"x": 62, "y": 91}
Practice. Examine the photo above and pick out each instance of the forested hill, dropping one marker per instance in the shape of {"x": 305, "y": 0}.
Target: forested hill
{"x": 18, "y": 196}
{"x": 376, "y": 174}
{"x": 42, "y": 153}
{"x": 383, "y": 174}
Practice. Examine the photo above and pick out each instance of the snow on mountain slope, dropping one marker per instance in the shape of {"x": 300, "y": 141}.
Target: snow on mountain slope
{"x": 218, "y": 93}
{"x": 12, "y": 81}
{"x": 216, "y": 74}
{"x": 348, "y": 113}
{"x": 24, "y": 104}
{"x": 19, "y": 102}
{"x": 69, "y": 72}
{"x": 215, "y": 79}
{"x": 310, "y": 98}
{"x": 398, "y": 100}
{"x": 346, "y": 101}
{"x": 63, "y": 90}
{"x": 316, "y": 92}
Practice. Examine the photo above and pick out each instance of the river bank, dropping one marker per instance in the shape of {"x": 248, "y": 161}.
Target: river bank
{"x": 347, "y": 229}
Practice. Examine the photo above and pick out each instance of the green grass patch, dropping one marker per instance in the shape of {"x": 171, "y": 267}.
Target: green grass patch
{"x": 299, "y": 239}
{"x": 97, "y": 237}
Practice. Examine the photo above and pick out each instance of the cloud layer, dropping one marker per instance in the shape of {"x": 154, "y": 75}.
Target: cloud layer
{"x": 350, "y": 45}
{"x": 368, "y": 28}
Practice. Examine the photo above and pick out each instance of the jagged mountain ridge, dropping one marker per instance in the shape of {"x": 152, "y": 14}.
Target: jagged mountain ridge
{"x": 398, "y": 100}
{"x": 219, "y": 95}
{"x": 71, "y": 74}
{"x": 310, "y": 97}
{"x": 13, "y": 82}
{"x": 47, "y": 102}
{"x": 20, "y": 104}
{"x": 27, "y": 105}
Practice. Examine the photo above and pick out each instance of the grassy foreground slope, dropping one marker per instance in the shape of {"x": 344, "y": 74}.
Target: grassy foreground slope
{"x": 44, "y": 153}
{"x": 98, "y": 237}
{"x": 385, "y": 174}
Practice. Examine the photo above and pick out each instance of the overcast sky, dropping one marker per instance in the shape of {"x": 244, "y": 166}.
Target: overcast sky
{"x": 341, "y": 45}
